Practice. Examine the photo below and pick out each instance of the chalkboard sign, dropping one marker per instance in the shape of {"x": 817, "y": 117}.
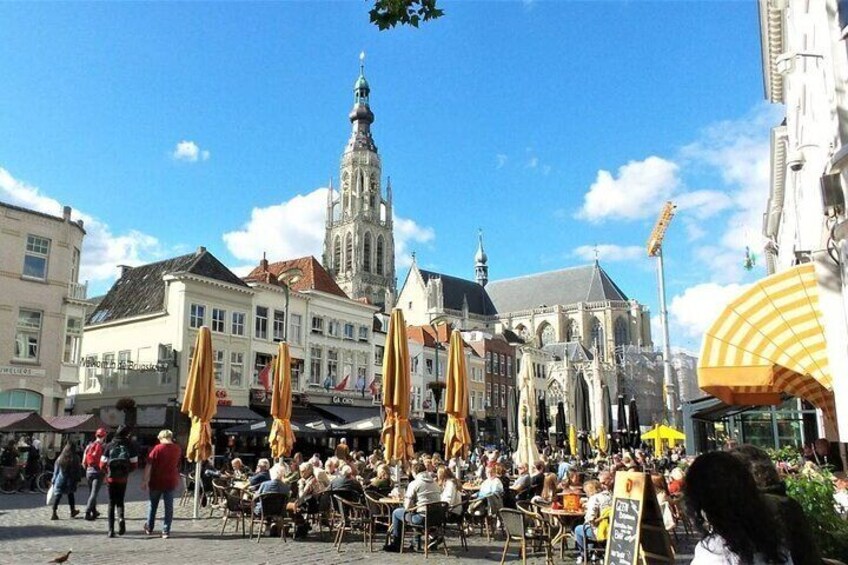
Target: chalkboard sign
{"x": 637, "y": 535}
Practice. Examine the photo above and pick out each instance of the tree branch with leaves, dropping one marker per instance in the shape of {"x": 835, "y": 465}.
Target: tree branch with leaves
{"x": 387, "y": 14}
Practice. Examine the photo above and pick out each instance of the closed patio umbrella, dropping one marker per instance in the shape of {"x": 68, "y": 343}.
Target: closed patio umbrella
{"x": 396, "y": 436}
{"x": 560, "y": 425}
{"x": 572, "y": 440}
{"x": 281, "y": 438}
{"x": 457, "y": 438}
{"x": 526, "y": 452}
{"x": 621, "y": 427}
{"x": 512, "y": 419}
{"x": 633, "y": 424}
{"x": 200, "y": 404}
{"x": 543, "y": 421}
{"x": 582, "y": 417}
{"x": 606, "y": 421}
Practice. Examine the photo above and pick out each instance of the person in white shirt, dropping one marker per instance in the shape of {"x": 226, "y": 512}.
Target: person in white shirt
{"x": 420, "y": 492}
{"x": 450, "y": 489}
{"x": 731, "y": 514}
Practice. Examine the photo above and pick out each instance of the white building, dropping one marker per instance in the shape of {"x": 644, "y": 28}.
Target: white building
{"x": 42, "y": 307}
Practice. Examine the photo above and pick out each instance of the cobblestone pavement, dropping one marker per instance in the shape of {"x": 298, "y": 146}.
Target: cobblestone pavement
{"x": 28, "y": 536}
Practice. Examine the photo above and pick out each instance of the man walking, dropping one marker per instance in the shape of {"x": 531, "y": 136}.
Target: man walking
{"x": 161, "y": 478}
{"x": 93, "y": 474}
{"x": 119, "y": 459}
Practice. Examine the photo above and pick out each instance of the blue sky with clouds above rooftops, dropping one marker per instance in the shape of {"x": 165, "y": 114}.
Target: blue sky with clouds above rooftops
{"x": 553, "y": 126}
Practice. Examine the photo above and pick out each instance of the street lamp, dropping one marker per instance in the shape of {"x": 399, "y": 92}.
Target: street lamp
{"x": 437, "y": 386}
{"x": 288, "y": 278}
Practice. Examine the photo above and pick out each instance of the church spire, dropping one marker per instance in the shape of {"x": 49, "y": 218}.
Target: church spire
{"x": 481, "y": 260}
{"x": 361, "y": 116}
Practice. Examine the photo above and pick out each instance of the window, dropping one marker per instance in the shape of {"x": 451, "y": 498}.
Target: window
{"x": 262, "y": 361}
{"x": 236, "y": 368}
{"x": 488, "y": 395}
{"x": 17, "y": 400}
{"x": 28, "y": 334}
{"x": 378, "y": 354}
{"x": 108, "y": 369}
{"x": 620, "y": 332}
{"x": 219, "y": 318}
{"x": 279, "y": 325}
{"x": 75, "y": 264}
{"x": 379, "y": 254}
{"x": 238, "y": 323}
{"x": 261, "y": 322}
{"x": 503, "y": 396}
{"x": 348, "y": 252}
{"x": 315, "y": 365}
{"x": 317, "y": 325}
{"x": 73, "y": 337}
{"x": 473, "y": 399}
{"x": 348, "y": 331}
{"x": 333, "y": 328}
{"x": 35, "y": 258}
{"x": 337, "y": 254}
{"x": 598, "y": 338}
{"x": 218, "y": 365}
{"x": 548, "y": 335}
{"x": 495, "y": 364}
{"x": 90, "y": 372}
{"x": 363, "y": 333}
{"x": 366, "y": 253}
{"x": 488, "y": 361}
{"x": 197, "y": 316}
{"x": 124, "y": 364}
{"x": 332, "y": 365}
{"x": 295, "y": 329}
{"x": 503, "y": 364}
{"x": 509, "y": 372}
{"x": 428, "y": 365}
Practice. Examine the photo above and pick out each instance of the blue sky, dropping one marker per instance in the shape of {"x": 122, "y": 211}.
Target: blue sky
{"x": 553, "y": 126}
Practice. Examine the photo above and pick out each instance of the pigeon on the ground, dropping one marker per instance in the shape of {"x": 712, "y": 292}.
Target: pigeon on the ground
{"x": 61, "y": 558}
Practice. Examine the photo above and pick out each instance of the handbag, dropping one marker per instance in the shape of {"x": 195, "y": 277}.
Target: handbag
{"x": 50, "y": 493}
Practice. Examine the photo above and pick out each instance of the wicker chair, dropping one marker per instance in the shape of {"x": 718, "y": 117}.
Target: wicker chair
{"x": 235, "y": 508}
{"x": 518, "y": 529}
{"x": 459, "y": 521}
{"x": 269, "y": 508}
{"x": 353, "y": 517}
{"x": 435, "y": 518}
{"x": 379, "y": 516}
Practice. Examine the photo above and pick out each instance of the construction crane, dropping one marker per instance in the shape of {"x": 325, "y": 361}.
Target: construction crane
{"x": 655, "y": 243}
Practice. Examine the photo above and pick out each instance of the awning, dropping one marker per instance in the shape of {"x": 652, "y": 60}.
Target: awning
{"x": 374, "y": 424}
{"x": 263, "y": 428}
{"x": 346, "y": 414}
{"x": 235, "y": 415}
{"x": 770, "y": 341}
{"x": 76, "y": 423}
{"x": 24, "y": 422}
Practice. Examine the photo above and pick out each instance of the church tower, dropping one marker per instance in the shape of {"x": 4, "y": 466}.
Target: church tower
{"x": 481, "y": 263}
{"x": 359, "y": 247}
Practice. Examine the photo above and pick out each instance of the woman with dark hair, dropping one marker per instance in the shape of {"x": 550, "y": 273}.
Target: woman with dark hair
{"x": 728, "y": 509}
{"x": 67, "y": 473}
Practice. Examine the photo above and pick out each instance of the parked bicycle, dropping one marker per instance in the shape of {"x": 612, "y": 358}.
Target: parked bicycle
{"x": 14, "y": 480}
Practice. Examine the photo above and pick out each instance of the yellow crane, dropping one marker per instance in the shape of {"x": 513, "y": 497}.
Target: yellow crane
{"x": 655, "y": 244}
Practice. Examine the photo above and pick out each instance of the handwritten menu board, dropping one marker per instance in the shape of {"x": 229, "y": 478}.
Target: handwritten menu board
{"x": 637, "y": 535}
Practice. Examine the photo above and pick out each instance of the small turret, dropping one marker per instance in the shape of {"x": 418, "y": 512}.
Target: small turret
{"x": 481, "y": 260}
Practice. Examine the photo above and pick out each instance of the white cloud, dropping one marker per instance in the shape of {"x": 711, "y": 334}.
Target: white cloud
{"x": 502, "y": 160}
{"x": 102, "y": 249}
{"x": 295, "y": 228}
{"x": 532, "y": 162}
{"x": 703, "y": 204}
{"x": 610, "y": 252}
{"x": 190, "y": 152}
{"x": 634, "y": 193}
{"x": 694, "y": 311}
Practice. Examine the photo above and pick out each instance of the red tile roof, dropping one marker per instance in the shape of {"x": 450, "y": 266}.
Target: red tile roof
{"x": 312, "y": 275}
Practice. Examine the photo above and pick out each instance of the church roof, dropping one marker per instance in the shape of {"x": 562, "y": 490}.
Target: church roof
{"x": 457, "y": 290}
{"x": 311, "y": 276}
{"x": 571, "y": 350}
{"x": 141, "y": 290}
{"x": 587, "y": 283}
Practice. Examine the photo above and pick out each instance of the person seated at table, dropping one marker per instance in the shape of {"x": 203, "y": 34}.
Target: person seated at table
{"x": 382, "y": 482}
{"x": 508, "y": 494}
{"x": 675, "y": 486}
{"x": 563, "y": 468}
{"x": 239, "y": 470}
{"x": 261, "y": 475}
{"x": 549, "y": 491}
{"x": 537, "y": 477}
{"x": 573, "y": 481}
{"x": 599, "y": 500}
{"x": 522, "y": 485}
{"x": 273, "y": 485}
{"x": 451, "y": 489}
{"x": 421, "y": 491}
{"x": 345, "y": 485}
{"x": 279, "y": 464}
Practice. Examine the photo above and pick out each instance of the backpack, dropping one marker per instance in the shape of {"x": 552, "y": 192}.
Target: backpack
{"x": 93, "y": 454}
{"x": 118, "y": 460}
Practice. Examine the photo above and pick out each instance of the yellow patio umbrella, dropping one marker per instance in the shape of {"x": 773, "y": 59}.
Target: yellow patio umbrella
{"x": 572, "y": 439}
{"x": 200, "y": 404}
{"x": 662, "y": 432}
{"x": 457, "y": 438}
{"x": 396, "y": 435}
{"x": 603, "y": 445}
{"x": 281, "y": 438}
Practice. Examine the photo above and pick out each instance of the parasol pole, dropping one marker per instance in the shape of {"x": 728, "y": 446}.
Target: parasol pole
{"x": 197, "y": 479}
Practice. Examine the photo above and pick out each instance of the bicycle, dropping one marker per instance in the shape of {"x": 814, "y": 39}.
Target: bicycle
{"x": 14, "y": 480}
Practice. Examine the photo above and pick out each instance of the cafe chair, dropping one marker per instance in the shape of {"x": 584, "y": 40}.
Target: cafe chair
{"x": 269, "y": 509}
{"x": 353, "y": 518}
{"x": 457, "y": 519}
{"x": 519, "y": 528}
{"x": 435, "y": 518}
{"x": 236, "y": 509}
{"x": 379, "y": 516}
{"x": 593, "y": 550}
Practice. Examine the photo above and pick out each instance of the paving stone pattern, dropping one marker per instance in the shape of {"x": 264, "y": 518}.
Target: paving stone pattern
{"x": 27, "y": 535}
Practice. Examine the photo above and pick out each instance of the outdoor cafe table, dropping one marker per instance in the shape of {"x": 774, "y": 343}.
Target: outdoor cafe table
{"x": 566, "y": 520}
{"x": 469, "y": 487}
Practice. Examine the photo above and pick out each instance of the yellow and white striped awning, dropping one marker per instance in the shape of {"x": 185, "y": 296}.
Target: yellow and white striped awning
{"x": 770, "y": 341}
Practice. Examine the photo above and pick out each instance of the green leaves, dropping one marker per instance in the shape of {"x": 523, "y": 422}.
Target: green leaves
{"x": 814, "y": 492}
{"x": 387, "y": 14}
